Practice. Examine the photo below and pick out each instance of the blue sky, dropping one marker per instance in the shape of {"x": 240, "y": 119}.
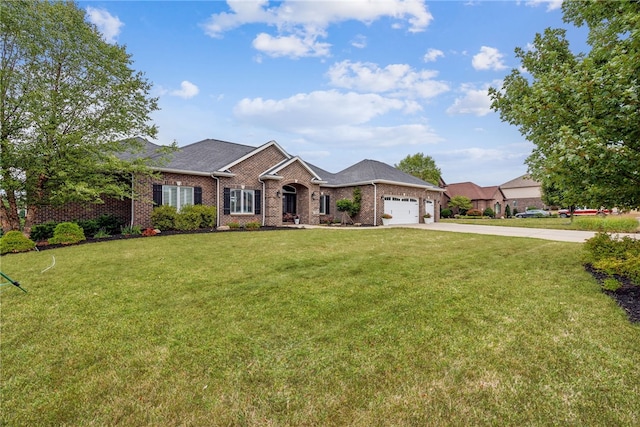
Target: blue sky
{"x": 336, "y": 82}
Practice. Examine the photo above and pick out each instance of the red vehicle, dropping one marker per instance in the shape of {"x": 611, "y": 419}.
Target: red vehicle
{"x": 564, "y": 213}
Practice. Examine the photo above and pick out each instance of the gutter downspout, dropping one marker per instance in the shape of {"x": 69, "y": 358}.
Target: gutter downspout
{"x": 264, "y": 202}
{"x": 217, "y": 200}
{"x": 132, "y": 201}
{"x": 375, "y": 204}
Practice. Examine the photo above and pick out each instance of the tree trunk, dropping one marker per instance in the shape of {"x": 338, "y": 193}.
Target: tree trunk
{"x": 9, "y": 218}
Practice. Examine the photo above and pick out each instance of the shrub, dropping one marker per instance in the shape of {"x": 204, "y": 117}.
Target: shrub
{"x": 101, "y": 234}
{"x": 446, "y": 213}
{"x": 489, "y": 212}
{"x": 148, "y": 232}
{"x": 164, "y": 217}
{"x": 43, "y": 231}
{"x": 507, "y": 211}
{"x": 188, "y": 219}
{"x": 15, "y": 241}
{"x": 67, "y": 233}
{"x": 89, "y": 226}
{"x": 131, "y": 230}
{"x": 614, "y": 256}
{"x": 474, "y": 212}
{"x": 233, "y": 225}
{"x": 252, "y": 225}
{"x": 207, "y": 214}
{"x": 110, "y": 223}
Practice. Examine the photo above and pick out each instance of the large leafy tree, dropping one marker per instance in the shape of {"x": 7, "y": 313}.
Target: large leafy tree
{"x": 421, "y": 166}
{"x": 581, "y": 110}
{"x": 69, "y": 102}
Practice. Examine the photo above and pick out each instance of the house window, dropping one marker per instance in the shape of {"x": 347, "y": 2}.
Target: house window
{"x": 178, "y": 197}
{"x": 241, "y": 201}
{"x": 324, "y": 205}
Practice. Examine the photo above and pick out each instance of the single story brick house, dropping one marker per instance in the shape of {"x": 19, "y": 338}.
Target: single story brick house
{"x": 265, "y": 184}
{"x": 481, "y": 197}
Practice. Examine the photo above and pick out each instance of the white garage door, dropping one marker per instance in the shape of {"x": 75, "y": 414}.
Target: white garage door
{"x": 404, "y": 210}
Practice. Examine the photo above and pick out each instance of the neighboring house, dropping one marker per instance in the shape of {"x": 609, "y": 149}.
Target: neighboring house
{"x": 523, "y": 192}
{"x": 481, "y": 197}
{"x": 265, "y": 184}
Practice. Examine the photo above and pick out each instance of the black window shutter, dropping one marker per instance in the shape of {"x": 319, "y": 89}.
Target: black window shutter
{"x": 157, "y": 194}
{"x": 326, "y": 204}
{"x": 197, "y": 195}
{"x": 257, "y": 203}
{"x": 227, "y": 201}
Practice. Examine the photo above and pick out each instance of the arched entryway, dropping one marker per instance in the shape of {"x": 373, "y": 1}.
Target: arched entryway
{"x": 289, "y": 203}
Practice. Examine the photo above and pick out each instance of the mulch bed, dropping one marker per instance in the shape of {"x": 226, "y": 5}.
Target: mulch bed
{"x": 627, "y": 296}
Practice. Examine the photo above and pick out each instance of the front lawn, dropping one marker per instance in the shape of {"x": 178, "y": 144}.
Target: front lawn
{"x": 610, "y": 224}
{"x": 314, "y": 327}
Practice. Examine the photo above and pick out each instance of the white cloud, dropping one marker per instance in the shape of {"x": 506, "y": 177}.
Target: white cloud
{"x": 432, "y": 55}
{"x": 308, "y": 21}
{"x": 473, "y": 101}
{"x": 489, "y": 58}
{"x": 316, "y": 109}
{"x": 106, "y": 23}
{"x": 187, "y": 90}
{"x": 291, "y": 46}
{"x": 551, "y": 4}
{"x": 394, "y": 79}
{"x": 359, "y": 41}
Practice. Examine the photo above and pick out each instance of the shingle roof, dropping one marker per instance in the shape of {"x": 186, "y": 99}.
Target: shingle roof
{"x": 471, "y": 190}
{"x": 148, "y": 150}
{"x": 372, "y": 171}
{"x": 208, "y": 155}
{"x": 521, "y": 181}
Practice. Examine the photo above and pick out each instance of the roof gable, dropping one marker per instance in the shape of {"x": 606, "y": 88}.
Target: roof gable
{"x": 473, "y": 191}
{"x": 368, "y": 171}
{"x": 520, "y": 182}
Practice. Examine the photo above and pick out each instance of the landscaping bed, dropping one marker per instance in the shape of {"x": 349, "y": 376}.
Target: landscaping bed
{"x": 627, "y": 296}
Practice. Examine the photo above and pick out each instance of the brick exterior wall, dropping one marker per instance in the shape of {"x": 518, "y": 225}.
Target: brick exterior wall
{"x": 143, "y": 205}
{"x": 75, "y": 211}
{"x": 247, "y": 175}
{"x": 372, "y": 205}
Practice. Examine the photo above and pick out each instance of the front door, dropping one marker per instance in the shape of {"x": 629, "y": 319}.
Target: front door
{"x": 289, "y": 204}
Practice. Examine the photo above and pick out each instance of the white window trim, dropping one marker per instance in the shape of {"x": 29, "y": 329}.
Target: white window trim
{"x": 240, "y": 202}
{"x": 179, "y": 189}
{"x": 323, "y": 206}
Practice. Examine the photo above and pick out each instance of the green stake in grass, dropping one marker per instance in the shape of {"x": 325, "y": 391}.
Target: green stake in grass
{"x": 11, "y": 282}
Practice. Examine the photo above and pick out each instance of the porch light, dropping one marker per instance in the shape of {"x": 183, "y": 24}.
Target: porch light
{"x": 313, "y": 195}
{"x": 278, "y": 194}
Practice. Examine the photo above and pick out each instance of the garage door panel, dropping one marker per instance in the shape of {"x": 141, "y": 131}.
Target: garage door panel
{"x": 404, "y": 210}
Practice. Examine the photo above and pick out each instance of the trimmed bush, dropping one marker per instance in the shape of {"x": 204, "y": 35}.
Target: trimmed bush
{"x": 474, "y": 212}
{"x": 614, "y": 256}
{"x": 89, "y": 226}
{"x": 489, "y": 212}
{"x": 164, "y": 217}
{"x": 507, "y": 211}
{"x": 15, "y": 241}
{"x": 207, "y": 214}
{"x": 67, "y": 233}
{"x": 43, "y": 231}
{"x": 446, "y": 213}
{"x": 252, "y": 225}
{"x": 110, "y": 223}
{"x": 188, "y": 219}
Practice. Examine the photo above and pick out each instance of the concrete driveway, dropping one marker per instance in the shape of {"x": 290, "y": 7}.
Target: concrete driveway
{"x": 536, "y": 233}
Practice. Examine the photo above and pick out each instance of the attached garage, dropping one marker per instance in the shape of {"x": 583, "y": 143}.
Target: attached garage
{"x": 404, "y": 210}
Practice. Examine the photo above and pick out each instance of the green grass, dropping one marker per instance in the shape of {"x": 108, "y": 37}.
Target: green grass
{"x": 314, "y": 327}
{"x": 610, "y": 224}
